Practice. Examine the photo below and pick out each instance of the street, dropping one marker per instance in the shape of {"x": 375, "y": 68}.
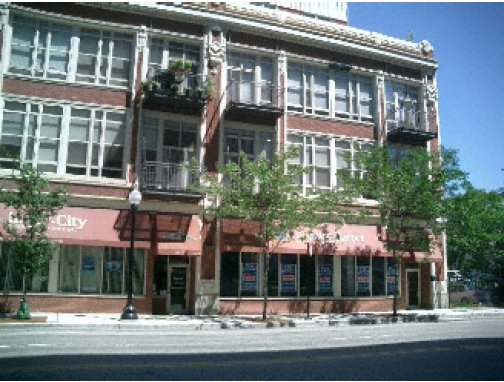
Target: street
{"x": 459, "y": 350}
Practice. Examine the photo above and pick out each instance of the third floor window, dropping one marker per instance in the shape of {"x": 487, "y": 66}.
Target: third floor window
{"x": 60, "y": 52}
{"x": 320, "y": 91}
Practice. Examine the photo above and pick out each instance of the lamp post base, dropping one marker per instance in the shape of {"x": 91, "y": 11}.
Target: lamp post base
{"x": 129, "y": 313}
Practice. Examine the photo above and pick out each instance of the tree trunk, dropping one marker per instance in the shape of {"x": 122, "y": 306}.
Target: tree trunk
{"x": 265, "y": 283}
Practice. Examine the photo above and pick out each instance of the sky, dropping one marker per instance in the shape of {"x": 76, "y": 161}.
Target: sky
{"x": 468, "y": 41}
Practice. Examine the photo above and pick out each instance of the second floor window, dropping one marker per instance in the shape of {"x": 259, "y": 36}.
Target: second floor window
{"x": 60, "y": 52}
{"x": 253, "y": 143}
{"x": 325, "y": 156}
{"x": 90, "y": 143}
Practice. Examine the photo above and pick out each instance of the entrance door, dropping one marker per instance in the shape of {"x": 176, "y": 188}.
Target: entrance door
{"x": 177, "y": 301}
{"x": 413, "y": 288}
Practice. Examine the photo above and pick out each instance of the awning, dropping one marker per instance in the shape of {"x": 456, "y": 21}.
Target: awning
{"x": 422, "y": 257}
{"x": 83, "y": 226}
{"x": 178, "y": 235}
{"x": 349, "y": 240}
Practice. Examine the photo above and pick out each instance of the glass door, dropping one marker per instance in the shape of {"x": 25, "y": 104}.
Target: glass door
{"x": 177, "y": 301}
{"x": 413, "y": 288}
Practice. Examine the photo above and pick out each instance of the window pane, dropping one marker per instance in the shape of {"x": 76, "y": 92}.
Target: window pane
{"x": 69, "y": 263}
{"x": 91, "y": 269}
{"x": 379, "y": 276}
{"x": 113, "y": 271}
{"x": 348, "y": 276}
{"x": 289, "y": 274}
{"x": 77, "y": 153}
{"x": 229, "y": 278}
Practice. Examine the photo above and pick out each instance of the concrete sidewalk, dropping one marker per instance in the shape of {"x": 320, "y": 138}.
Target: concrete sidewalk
{"x": 184, "y": 322}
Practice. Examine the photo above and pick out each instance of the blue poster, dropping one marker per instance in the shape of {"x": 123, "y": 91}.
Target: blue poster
{"x": 289, "y": 278}
{"x": 88, "y": 265}
{"x": 249, "y": 277}
{"x": 390, "y": 280}
{"x": 363, "y": 278}
{"x": 325, "y": 274}
{"x": 113, "y": 266}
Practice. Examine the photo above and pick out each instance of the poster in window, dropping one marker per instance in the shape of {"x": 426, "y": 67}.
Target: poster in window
{"x": 363, "y": 278}
{"x": 113, "y": 266}
{"x": 390, "y": 280}
{"x": 325, "y": 274}
{"x": 289, "y": 278}
{"x": 249, "y": 277}
{"x": 88, "y": 265}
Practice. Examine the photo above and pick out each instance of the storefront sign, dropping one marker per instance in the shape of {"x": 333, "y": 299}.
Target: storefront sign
{"x": 249, "y": 277}
{"x": 363, "y": 278}
{"x": 289, "y": 278}
{"x": 65, "y": 223}
{"x": 325, "y": 274}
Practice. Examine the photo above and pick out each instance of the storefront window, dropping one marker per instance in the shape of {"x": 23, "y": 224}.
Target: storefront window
{"x": 12, "y": 280}
{"x": 113, "y": 271}
{"x": 249, "y": 274}
{"x": 229, "y": 276}
{"x": 289, "y": 274}
{"x": 273, "y": 275}
{"x": 69, "y": 269}
{"x": 366, "y": 276}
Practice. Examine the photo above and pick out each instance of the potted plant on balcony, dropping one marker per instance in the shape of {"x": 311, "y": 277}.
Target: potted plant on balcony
{"x": 174, "y": 88}
{"x": 188, "y": 91}
{"x": 154, "y": 85}
{"x": 199, "y": 92}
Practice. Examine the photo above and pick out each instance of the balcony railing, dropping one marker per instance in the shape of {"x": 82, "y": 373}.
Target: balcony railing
{"x": 254, "y": 93}
{"x": 259, "y": 101}
{"x": 169, "y": 178}
{"x": 168, "y": 83}
{"x": 409, "y": 125}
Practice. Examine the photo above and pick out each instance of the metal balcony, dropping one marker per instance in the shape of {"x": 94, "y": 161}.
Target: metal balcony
{"x": 257, "y": 101}
{"x": 178, "y": 92}
{"x": 407, "y": 127}
{"x": 169, "y": 180}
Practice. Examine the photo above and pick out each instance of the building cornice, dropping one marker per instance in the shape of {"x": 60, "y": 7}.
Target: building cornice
{"x": 312, "y": 32}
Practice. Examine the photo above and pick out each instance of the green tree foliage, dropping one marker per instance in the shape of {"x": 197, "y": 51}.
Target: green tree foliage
{"x": 265, "y": 192}
{"x": 410, "y": 195}
{"x": 33, "y": 204}
{"x": 475, "y": 230}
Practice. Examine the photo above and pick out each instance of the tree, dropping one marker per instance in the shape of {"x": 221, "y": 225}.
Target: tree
{"x": 475, "y": 230}
{"x": 265, "y": 192}
{"x": 409, "y": 187}
{"x": 33, "y": 204}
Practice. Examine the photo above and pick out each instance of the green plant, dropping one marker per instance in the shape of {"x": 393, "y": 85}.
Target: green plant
{"x": 33, "y": 203}
{"x": 174, "y": 88}
{"x": 211, "y": 90}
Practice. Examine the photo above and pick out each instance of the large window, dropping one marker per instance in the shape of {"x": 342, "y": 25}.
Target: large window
{"x": 402, "y": 105}
{"x": 162, "y": 52}
{"x": 78, "y": 270}
{"x": 253, "y": 143}
{"x": 325, "y": 156}
{"x": 61, "y": 52}
{"x": 288, "y": 275}
{"x": 367, "y": 276}
{"x": 318, "y": 90}
{"x": 89, "y": 143}
{"x": 250, "y": 78}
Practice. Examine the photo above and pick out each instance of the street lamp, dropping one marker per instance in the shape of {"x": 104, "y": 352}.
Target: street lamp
{"x": 129, "y": 312}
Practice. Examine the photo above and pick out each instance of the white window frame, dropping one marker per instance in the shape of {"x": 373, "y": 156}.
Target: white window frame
{"x": 395, "y": 93}
{"x": 64, "y": 140}
{"x": 101, "y": 76}
{"x": 334, "y": 162}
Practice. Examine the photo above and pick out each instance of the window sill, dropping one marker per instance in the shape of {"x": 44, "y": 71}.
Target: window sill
{"x": 333, "y": 119}
{"x": 50, "y": 81}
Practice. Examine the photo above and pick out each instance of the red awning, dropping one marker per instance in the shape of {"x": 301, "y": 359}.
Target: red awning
{"x": 178, "y": 235}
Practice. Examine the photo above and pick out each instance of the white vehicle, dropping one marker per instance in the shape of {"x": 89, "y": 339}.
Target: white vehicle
{"x": 462, "y": 293}
{"x": 455, "y": 275}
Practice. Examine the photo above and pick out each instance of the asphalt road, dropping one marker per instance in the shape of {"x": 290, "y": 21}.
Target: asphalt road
{"x": 465, "y": 350}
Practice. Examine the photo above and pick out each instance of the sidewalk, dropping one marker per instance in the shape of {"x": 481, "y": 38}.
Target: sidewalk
{"x": 183, "y": 322}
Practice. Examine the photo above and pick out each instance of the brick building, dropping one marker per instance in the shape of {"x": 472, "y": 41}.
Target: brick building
{"x": 102, "y": 97}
